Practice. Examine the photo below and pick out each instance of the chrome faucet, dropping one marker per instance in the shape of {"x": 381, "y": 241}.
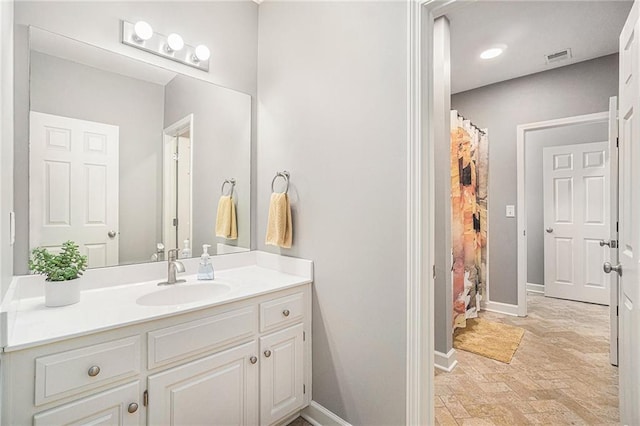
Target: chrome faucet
{"x": 174, "y": 266}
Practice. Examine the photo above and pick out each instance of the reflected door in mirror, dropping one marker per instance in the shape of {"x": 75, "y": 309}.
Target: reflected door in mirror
{"x": 73, "y": 186}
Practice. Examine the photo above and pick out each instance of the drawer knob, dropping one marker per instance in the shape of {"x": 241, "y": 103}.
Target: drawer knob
{"x": 132, "y": 408}
{"x": 253, "y": 360}
{"x": 286, "y": 312}
{"x": 267, "y": 353}
{"x": 94, "y": 371}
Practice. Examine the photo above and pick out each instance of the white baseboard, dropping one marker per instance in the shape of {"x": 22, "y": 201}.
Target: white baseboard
{"x": 535, "y": 288}
{"x": 317, "y": 415}
{"x": 501, "y": 308}
{"x": 445, "y": 362}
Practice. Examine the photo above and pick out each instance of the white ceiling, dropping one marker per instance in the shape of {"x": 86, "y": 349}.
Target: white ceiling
{"x": 530, "y": 29}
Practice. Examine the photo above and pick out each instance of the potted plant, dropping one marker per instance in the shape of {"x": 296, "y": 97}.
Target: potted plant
{"x": 63, "y": 270}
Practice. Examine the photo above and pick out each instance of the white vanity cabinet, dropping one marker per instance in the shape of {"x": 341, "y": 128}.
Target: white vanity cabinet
{"x": 246, "y": 362}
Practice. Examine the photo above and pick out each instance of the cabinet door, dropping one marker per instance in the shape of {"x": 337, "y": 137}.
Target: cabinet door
{"x": 220, "y": 389}
{"x": 118, "y": 406}
{"x": 281, "y": 374}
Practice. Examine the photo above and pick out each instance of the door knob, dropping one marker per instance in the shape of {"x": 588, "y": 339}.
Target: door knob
{"x": 604, "y": 243}
{"x": 253, "y": 360}
{"x": 111, "y": 234}
{"x": 132, "y": 408}
{"x": 549, "y": 230}
{"x": 607, "y": 267}
{"x": 267, "y": 353}
{"x": 93, "y": 371}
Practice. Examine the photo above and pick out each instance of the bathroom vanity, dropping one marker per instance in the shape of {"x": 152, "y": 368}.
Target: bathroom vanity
{"x": 236, "y": 350}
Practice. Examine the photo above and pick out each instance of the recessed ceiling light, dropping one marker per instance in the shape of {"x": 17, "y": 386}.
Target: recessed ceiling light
{"x": 494, "y": 52}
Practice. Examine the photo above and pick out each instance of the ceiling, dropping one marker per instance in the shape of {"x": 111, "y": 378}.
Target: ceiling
{"x": 530, "y": 29}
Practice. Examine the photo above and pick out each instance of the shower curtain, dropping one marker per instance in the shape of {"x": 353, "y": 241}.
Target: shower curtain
{"x": 469, "y": 178}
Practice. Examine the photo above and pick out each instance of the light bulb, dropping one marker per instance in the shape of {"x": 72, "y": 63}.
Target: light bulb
{"x": 494, "y": 52}
{"x": 202, "y": 53}
{"x": 143, "y": 31}
{"x": 175, "y": 42}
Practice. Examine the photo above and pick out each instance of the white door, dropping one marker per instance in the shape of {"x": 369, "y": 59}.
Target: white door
{"x": 610, "y": 246}
{"x": 220, "y": 389}
{"x": 629, "y": 212}
{"x": 281, "y": 374}
{"x": 73, "y": 186}
{"x": 576, "y": 218}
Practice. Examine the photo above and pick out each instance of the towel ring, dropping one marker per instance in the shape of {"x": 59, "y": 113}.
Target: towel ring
{"x": 285, "y": 176}
{"x": 231, "y": 182}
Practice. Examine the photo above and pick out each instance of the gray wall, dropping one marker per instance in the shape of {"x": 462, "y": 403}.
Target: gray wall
{"x": 563, "y": 92}
{"x": 221, "y": 148}
{"x": 534, "y": 143}
{"x": 443, "y": 291}
{"x": 6, "y": 142}
{"x": 333, "y": 111}
{"x": 70, "y": 89}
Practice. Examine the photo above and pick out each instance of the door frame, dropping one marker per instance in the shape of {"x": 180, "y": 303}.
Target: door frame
{"x": 168, "y": 134}
{"x": 521, "y": 203}
{"x": 420, "y": 283}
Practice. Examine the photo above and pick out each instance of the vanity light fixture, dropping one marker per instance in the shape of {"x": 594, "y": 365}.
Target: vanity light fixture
{"x": 141, "y": 36}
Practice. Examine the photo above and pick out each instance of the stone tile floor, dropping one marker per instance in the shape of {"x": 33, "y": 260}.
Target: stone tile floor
{"x": 559, "y": 375}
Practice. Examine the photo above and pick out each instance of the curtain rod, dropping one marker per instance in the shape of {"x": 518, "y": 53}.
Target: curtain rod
{"x": 472, "y": 125}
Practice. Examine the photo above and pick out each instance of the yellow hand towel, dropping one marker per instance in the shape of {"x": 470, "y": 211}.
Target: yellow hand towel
{"x": 279, "y": 230}
{"x": 226, "y": 226}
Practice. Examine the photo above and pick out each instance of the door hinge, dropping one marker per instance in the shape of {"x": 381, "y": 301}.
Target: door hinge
{"x": 304, "y": 388}
{"x": 617, "y": 309}
{"x": 304, "y": 336}
{"x": 175, "y": 221}
{"x": 617, "y": 142}
{"x": 145, "y": 398}
{"x": 434, "y": 272}
{"x": 524, "y": 233}
{"x": 617, "y": 224}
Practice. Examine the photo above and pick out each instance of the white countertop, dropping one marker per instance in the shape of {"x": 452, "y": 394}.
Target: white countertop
{"x": 108, "y": 304}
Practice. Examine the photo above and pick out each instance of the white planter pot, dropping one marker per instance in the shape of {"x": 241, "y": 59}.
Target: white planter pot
{"x": 61, "y": 293}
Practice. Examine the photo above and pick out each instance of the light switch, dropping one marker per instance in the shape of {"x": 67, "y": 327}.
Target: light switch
{"x": 511, "y": 211}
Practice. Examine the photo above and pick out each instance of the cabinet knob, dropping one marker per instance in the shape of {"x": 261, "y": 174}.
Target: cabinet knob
{"x": 286, "y": 312}
{"x": 267, "y": 353}
{"x": 132, "y": 408}
{"x": 94, "y": 371}
{"x": 253, "y": 360}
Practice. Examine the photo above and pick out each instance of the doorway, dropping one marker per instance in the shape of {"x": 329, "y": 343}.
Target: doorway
{"x": 177, "y": 193}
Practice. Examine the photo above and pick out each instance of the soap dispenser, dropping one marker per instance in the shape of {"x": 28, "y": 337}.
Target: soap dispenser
{"x": 205, "y": 270}
{"x": 186, "y": 251}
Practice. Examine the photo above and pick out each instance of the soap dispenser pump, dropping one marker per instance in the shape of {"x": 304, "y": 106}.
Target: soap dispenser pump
{"x": 205, "y": 270}
{"x": 186, "y": 251}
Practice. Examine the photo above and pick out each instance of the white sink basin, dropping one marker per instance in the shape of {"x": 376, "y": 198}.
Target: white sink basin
{"x": 180, "y": 294}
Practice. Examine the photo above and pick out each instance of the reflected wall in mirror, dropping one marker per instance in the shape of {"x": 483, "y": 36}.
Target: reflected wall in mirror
{"x": 126, "y": 158}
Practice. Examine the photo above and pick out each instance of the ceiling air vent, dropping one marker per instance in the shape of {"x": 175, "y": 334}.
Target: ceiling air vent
{"x": 558, "y": 56}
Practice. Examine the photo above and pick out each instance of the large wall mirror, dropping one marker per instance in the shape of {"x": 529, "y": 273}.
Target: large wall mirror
{"x": 126, "y": 158}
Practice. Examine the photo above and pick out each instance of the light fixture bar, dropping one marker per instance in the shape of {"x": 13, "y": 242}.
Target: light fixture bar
{"x": 158, "y": 43}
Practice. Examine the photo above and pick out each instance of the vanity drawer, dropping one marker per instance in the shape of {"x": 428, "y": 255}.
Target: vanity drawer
{"x": 184, "y": 340}
{"x": 79, "y": 370}
{"x": 282, "y": 311}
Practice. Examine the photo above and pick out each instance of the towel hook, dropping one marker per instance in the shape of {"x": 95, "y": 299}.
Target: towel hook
{"x": 285, "y": 175}
{"x": 231, "y": 182}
